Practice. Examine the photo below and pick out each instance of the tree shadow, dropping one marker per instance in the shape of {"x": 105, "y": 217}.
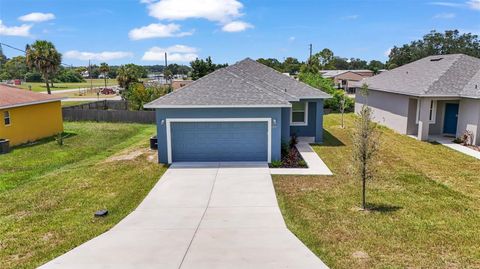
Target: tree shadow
{"x": 330, "y": 140}
{"x": 382, "y": 208}
{"x": 66, "y": 136}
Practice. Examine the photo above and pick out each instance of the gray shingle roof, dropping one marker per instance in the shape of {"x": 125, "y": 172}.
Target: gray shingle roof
{"x": 246, "y": 83}
{"x": 454, "y": 75}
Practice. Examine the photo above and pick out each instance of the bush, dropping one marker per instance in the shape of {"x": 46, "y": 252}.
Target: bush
{"x": 276, "y": 164}
{"x": 334, "y": 103}
{"x": 325, "y": 84}
{"x": 68, "y": 75}
{"x": 33, "y": 77}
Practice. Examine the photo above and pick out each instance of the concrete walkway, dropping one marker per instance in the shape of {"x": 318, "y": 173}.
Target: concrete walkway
{"x": 447, "y": 142}
{"x": 214, "y": 215}
{"x": 315, "y": 165}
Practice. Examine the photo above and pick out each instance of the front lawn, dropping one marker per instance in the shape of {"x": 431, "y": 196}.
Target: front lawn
{"x": 49, "y": 193}
{"x": 425, "y": 208}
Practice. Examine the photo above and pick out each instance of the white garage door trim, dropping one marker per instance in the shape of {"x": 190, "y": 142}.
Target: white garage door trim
{"x": 169, "y": 136}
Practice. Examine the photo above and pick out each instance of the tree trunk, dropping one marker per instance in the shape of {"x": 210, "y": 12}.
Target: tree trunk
{"x": 48, "y": 85}
{"x": 105, "y": 78}
{"x": 364, "y": 206}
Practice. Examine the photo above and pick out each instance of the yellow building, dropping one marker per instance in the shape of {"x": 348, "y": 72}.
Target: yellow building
{"x": 28, "y": 116}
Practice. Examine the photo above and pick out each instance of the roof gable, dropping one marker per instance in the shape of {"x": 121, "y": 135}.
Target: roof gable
{"x": 244, "y": 84}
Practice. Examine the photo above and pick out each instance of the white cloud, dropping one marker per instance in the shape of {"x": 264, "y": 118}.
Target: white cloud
{"x": 446, "y": 4}
{"x": 37, "y": 17}
{"x": 474, "y": 4}
{"x": 176, "y": 53}
{"x": 292, "y": 38}
{"x": 98, "y": 56}
{"x": 351, "y": 17}
{"x": 157, "y": 30}
{"x": 445, "y": 16}
{"x": 213, "y": 10}
{"x": 387, "y": 52}
{"x": 22, "y": 30}
{"x": 236, "y": 26}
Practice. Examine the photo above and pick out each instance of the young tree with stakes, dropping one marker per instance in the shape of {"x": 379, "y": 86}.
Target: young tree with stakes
{"x": 365, "y": 144}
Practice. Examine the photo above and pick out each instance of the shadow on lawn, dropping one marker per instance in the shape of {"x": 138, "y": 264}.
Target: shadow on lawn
{"x": 66, "y": 135}
{"x": 330, "y": 140}
{"x": 383, "y": 208}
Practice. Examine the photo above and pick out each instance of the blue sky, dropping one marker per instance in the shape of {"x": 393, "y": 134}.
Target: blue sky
{"x": 140, "y": 31}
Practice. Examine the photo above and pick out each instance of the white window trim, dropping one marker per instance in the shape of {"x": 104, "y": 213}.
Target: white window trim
{"x": 305, "y": 120}
{"x": 169, "y": 135}
{"x": 434, "y": 112}
{"x": 9, "y": 118}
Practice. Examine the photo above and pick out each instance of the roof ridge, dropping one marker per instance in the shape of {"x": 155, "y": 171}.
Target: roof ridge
{"x": 280, "y": 91}
{"x": 290, "y": 78}
{"x": 256, "y": 87}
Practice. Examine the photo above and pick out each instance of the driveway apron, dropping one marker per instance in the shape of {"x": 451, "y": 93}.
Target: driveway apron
{"x": 200, "y": 215}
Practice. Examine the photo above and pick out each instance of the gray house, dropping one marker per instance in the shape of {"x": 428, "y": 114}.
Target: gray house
{"x": 239, "y": 113}
{"x": 437, "y": 95}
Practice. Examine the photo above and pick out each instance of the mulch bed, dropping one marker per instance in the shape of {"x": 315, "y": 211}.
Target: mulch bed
{"x": 292, "y": 159}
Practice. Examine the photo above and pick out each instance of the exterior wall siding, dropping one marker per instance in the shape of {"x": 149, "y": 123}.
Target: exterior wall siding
{"x": 469, "y": 118}
{"x": 315, "y": 121}
{"x": 388, "y": 109}
{"x": 33, "y": 122}
{"x": 274, "y": 113}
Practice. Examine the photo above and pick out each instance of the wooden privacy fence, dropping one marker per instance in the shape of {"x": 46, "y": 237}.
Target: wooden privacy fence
{"x": 107, "y": 111}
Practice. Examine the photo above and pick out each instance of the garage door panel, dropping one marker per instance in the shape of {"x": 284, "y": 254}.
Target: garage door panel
{"x": 219, "y": 141}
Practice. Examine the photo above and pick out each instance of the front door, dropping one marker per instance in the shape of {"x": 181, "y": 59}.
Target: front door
{"x": 451, "y": 119}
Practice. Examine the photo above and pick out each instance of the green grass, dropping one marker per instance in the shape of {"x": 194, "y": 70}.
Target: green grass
{"x": 424, "y": 201}
{"x": 40, "y": 86}
{"x": 74, "y": 103}
{"x": 49, "y": 193}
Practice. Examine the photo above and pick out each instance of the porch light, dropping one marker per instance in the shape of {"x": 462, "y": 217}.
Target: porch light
{"x": 162, "y": 122}
{"x": 274, "y": 122}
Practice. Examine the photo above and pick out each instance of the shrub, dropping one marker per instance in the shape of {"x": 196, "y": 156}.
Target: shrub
{"x": 276, "y": 164}
{"x": 334, "y": 103}
{"x": 68, "y": 75}
{"x": 33, "y": 77}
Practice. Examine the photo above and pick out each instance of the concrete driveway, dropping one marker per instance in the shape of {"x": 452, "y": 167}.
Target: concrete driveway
{"x": 215, "y": 215}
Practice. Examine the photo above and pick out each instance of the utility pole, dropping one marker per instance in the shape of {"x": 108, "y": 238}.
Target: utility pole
{"x": 90, "y": 75}
{"x": 311, "y": 49}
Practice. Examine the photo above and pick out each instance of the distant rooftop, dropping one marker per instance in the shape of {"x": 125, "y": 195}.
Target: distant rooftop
{"x": 334, "y": 73}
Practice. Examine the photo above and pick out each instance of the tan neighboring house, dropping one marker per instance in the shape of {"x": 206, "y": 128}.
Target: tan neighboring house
{"x": 346, "y": 79}
{"x": 434, "y": 96}
{"x": 177, "y": 84}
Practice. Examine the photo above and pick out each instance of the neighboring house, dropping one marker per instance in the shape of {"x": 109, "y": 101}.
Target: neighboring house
{"x": 242, "y": 112}
{"x": 28, "y": 116}
{"x": 346, "y": 79}
{"x": 177, "y": 84}
{"x": 437, "y": 95}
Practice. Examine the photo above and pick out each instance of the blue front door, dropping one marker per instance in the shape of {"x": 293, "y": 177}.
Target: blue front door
{"x": 219, "y": 141}
{"x": 451, "y": 119}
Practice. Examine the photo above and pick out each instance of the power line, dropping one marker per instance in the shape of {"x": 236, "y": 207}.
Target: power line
{"x": 12, "y": 47}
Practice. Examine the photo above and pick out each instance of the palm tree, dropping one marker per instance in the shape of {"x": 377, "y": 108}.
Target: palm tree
{"x": 43, "y": 57}
{"x": 104, "y": 69}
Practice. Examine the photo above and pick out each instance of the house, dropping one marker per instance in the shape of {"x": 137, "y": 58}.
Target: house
{"x": 242, "y": 112}
{"x": 28, "y": 116}
{"x": 437, "y": 95}
{"x": 346, "y": 79}
{"x": 179, "y": 83}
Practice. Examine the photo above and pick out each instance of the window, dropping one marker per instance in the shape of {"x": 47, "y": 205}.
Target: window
{"x": 432, "y": 113}
{"x": 299, "y": 113}
{"x": 6, "y": 117}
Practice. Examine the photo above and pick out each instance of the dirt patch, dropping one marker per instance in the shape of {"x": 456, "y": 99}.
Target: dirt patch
{"x": 134, "y": 154}
{"x": 360, "y": 255}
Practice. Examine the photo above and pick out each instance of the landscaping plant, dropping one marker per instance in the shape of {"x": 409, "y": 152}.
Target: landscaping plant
{"x": 365, "y": 146}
